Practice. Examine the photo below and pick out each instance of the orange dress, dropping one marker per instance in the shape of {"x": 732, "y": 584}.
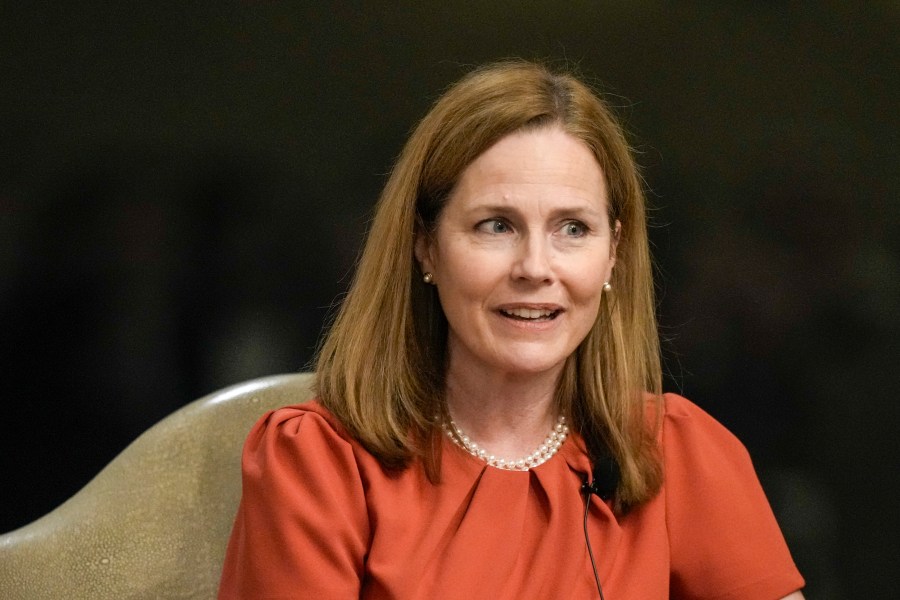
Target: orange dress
{"x": 320, "y": 518}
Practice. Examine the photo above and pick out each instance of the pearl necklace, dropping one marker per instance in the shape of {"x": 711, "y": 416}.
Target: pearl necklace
{"x": 539, "y": 456}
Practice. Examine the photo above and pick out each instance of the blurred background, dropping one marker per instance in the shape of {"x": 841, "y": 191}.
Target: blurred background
{"x": 184, "y": 188}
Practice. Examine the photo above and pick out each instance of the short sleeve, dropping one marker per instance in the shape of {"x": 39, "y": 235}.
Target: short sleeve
{"x": 724, "y": 541}
{"x": 301, "y": 529}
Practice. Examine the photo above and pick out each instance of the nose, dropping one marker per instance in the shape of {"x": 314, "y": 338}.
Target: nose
{"x": 533, "y": 260}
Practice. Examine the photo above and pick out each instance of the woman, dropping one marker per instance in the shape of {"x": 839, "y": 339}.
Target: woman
{"x": 490, "y": 422}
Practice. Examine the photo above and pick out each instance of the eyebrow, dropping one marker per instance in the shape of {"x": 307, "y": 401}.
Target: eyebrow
{"x": 512, "y": 208}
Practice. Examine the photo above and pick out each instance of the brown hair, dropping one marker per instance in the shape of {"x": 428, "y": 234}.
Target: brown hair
{"x": 381, "y": 368}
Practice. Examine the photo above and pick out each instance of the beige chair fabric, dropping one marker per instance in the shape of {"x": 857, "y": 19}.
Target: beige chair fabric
{"x": 155, "y": 522}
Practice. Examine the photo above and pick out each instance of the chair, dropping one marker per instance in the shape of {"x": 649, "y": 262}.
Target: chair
{"x": 155, "y": 522}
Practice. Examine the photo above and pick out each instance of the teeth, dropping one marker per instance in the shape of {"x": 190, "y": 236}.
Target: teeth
{"x": 528, "y": 313}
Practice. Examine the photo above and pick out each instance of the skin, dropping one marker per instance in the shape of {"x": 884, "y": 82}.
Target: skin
{"x": 519, "y": 258}
{"x": 524, "y": 234}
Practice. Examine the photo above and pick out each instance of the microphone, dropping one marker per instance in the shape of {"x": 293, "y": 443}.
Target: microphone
{"x": 604, "y": 478}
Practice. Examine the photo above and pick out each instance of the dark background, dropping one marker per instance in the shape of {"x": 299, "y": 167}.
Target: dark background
{"x": 184, "y": 189}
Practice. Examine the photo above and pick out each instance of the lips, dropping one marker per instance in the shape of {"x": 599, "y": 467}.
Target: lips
{"x": 530, "y": 314}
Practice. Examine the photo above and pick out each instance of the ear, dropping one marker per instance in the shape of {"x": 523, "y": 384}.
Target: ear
{"x": 424, "y": 250}
{"x": 613, "y": 246}
{"x": 614, "y": 242}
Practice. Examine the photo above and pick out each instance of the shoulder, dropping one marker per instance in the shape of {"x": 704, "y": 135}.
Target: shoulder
{"x": 309, "y": 420}
{"x": 688, "y": 427}
{"x": 301, "y": 484}
{"x": 703, "y": 461}
{"x": 722, "y": 533}
{"x": 681, "y": 412}
{"x": 300, "y": 437}
{"x": 312, "y": 411}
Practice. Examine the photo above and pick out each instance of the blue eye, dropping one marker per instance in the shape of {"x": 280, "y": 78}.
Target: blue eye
{"x": 496, "y": 226}
{"x": 574, "y": 229}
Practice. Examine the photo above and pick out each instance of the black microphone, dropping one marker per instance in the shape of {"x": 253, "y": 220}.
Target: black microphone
{"x": 604, "y": 478}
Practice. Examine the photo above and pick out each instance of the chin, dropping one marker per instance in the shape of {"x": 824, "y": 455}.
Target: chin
{"x": 534, "y": 364}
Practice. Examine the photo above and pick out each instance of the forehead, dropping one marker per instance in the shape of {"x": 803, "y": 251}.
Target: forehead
{"x": 546, "y": 162}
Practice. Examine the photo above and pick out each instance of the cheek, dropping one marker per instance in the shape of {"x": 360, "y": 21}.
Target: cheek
{"x": 466, "y": 283}
{"x": 464, "y": 271}
{"x": 585, "y": 278}
{"x": 588, "y": 305}
{"x": 586, "y": 313}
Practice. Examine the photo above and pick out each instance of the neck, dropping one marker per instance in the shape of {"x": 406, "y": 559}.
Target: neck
{"x": 507, "y": 414}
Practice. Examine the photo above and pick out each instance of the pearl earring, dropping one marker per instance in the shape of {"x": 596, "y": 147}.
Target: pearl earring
{"x": 427, "y": 277}
{"x": 607, "y": 287}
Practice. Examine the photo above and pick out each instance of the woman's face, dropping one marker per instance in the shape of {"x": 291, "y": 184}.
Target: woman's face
{"x": 521, "y": 252}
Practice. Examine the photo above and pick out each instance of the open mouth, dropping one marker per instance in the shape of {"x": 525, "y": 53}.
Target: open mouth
{"x": 530, "y": 314}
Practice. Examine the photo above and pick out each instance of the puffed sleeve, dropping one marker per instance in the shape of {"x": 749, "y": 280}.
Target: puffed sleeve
{"x": 301, "y": 529}
{"x": 724, "y": 541}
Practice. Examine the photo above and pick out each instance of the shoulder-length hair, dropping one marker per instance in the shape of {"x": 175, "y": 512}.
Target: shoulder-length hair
{"x": 381, "y": 368}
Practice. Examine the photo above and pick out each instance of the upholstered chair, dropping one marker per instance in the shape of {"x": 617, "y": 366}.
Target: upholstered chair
{"x": 155, "y": 522}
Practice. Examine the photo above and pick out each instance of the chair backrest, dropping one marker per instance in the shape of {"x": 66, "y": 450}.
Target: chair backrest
{"x": 155, "y": 522}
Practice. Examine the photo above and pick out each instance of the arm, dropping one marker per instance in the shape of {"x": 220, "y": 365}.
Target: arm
{"x": 723, "y": 536}
{"x": 301, "y": 529}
